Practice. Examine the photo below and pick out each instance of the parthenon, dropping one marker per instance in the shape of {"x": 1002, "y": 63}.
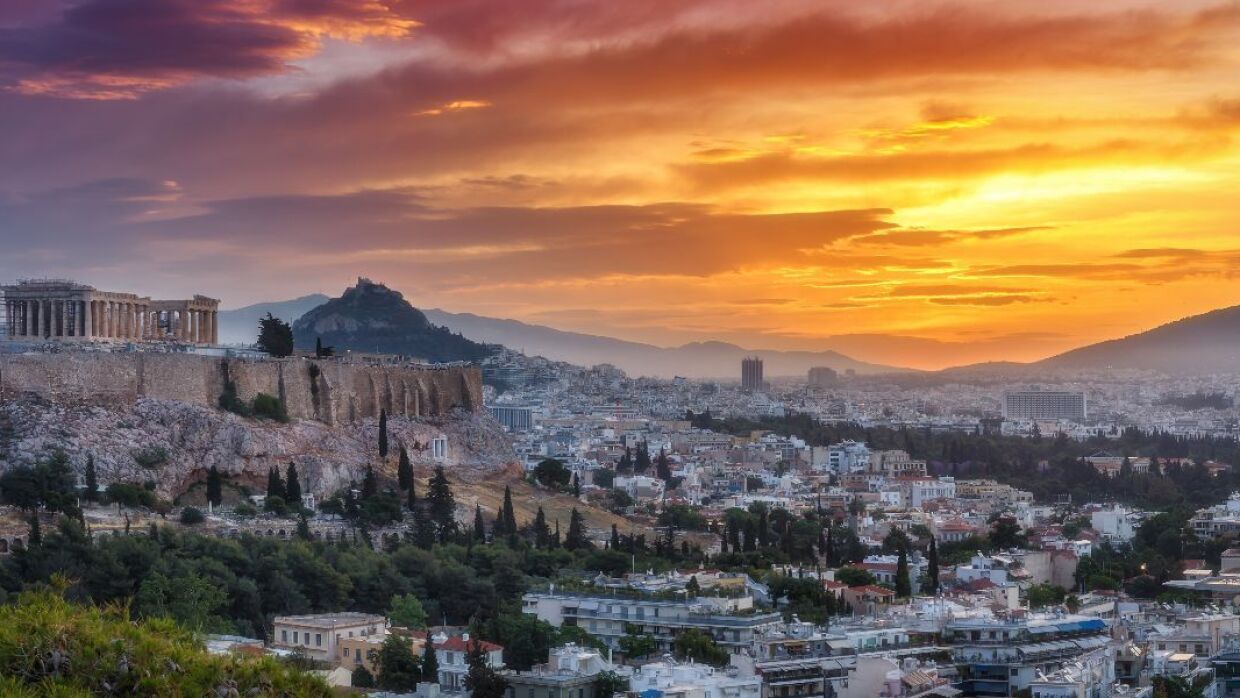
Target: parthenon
{"x": 61, "y": 310}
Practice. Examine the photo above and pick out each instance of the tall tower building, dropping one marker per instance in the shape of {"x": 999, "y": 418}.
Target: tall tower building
{"x": 751, "y": 374}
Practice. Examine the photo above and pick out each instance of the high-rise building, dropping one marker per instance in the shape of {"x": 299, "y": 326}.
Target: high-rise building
{"x": 823, "y": 377}
{"x": 1045, "y": 404}
{"x": 751, "y": 374}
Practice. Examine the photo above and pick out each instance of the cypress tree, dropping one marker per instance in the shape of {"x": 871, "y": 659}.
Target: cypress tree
{"x": 555, "y": 538}
{"x": 643, "y": 459}
{"x": 303, "y": 527}
{"x": 509, "y": 514}
{"x": 830, "y": 551}
{"x": 411, "y": 500}
{"x": 542, "y": 534}
{"x": 904, "y": 587}
{"x": 35, "y": 538}
{"x": 932, "y": 567}
{"x": 404, "y": 470}
{"x": 215, "y": 488}
{"x": 423, "y": 528}
{"x": 615, "y": 537}
{"x": 275, "y": 486}
{"x": 430, "y": 663}
{"x": 480, "y": 526}
{"x": 292, "y": 487}
{"x": 576, "y": 486}
{"x": 576, "y": 539}
{"x": 663, "y": 467}
{"x": 442, "y": 505}
{"x": 92, "y": 482}
{"x": 383, "y": 435}
{"x": 370, "y": 483}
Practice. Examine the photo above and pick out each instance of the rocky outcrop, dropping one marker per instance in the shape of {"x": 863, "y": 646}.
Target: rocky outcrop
{"x": 173, "y": 443}
{"x": 371, "y": 317}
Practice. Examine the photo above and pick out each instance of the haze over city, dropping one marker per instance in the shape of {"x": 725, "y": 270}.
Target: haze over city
{"x": 1010, "y": 179}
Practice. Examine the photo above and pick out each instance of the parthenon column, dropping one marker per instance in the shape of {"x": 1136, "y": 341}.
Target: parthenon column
{"x": 200, "y": 326}
{"x": 88, "y": 318}
{"x": 29, "y": 318}
{"x": 215, "y": 327}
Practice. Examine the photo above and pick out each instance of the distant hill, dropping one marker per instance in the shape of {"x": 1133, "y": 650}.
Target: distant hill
{"x": 240, "y": 326}
{"x": 1207, "y": 343}
{"x": 694, "y": 360}
{"x": 373, "y": 318}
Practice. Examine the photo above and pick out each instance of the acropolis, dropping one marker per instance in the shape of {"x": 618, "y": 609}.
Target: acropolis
{"x": 63, "y": 310}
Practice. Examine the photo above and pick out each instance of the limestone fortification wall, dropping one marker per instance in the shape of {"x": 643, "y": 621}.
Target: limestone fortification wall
{"x": 332, "y": 391}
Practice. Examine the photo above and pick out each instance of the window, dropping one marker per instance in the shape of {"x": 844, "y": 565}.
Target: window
{"x": 284, "y": 636}
{"x": 294, "y": 637}
{"x": 318, "y": 639}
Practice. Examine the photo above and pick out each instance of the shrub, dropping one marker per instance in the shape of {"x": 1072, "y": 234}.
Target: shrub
{"x": 192, "y": 516}
{"x": 269, "y": 407}
{"x": 245, "y": 509}
{"x": 151, "y": 458}
{"x": 276, "y": 505}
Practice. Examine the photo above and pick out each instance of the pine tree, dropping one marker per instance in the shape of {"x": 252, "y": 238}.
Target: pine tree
{"x": 904, "y": 587}
{"x": 430, "y": 663}
{"x": 404, "y": 470}
{"x": 480, "y": 526}
{"x": 370, "y": 483}
{"x": 275, "y": 486}
{"x": 508, "y": 514}
{"x": 663, "y": 467}
{"x": 92, "y": 482}
{"x": 442, "y": 505}
{"x": 215, "y": 488}
{"x": 542, "y": 534}
{"x": 383, "y": 435}
{"x": 576, "y": 539}
{"x": 292, "y": 487}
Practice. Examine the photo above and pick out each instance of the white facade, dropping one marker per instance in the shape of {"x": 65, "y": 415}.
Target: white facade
{"x": 691, "y": 680}
{"x": 847, "y": 457}
{"x": 1116, "y": 524}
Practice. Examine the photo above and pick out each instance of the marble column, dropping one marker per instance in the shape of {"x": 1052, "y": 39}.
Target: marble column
{"x": 88, "y": 319}
{"x": 29, "y": 318}
{"x": 215, "y": 327}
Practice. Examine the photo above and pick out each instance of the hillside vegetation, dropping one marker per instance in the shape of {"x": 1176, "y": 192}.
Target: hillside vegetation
{"x": 51, "y": 647}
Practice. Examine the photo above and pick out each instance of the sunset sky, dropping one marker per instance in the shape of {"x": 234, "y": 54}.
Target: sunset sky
{"x": 1007, "y": 178}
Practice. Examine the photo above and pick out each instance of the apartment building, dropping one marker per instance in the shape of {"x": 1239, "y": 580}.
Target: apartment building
{"x": 610, "y": 617}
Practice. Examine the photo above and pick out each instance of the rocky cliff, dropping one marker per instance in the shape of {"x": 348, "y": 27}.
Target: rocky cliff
{"x": 332, "y": 391}
{"x": 150, "y": 417}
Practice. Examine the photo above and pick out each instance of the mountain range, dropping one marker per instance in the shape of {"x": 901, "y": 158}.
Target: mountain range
{"x": 1207, "y": 343}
